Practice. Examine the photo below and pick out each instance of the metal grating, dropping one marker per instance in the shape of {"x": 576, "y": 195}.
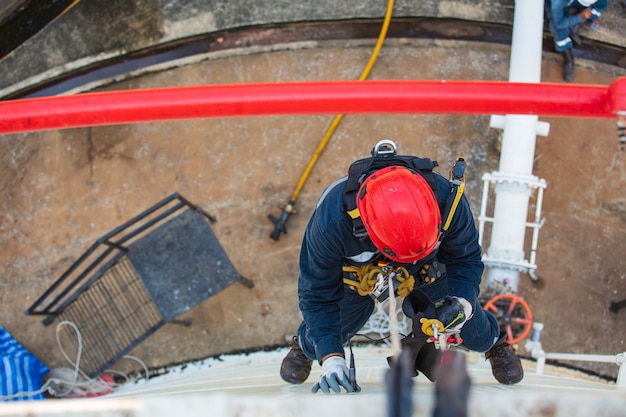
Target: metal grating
{"x": 114, "y": 315}
{"x": 133, "y": 280}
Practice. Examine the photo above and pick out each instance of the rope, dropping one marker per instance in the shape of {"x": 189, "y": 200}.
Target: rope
{"x": 368, "y": 277}
{"x": 379, "y": 323}
{"x": 396, "y": 347}
{"x": 66, "y": 382}
{"x": 62, "y": 387}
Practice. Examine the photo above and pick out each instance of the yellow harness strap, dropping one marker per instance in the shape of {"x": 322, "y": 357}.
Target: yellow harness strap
{"x": 354, "y": 214}
{"x": 457, "y": 177}
{"x": 368, "y": 276}
{"x": 455, "y": 204}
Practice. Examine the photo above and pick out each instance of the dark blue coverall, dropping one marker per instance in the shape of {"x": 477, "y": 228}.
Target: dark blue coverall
{"x": 333, "y": 312}
{"x": 563, "y": 14}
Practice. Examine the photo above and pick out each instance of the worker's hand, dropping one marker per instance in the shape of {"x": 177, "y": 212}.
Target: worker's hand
{"x": 468, "y": 311}
{"x": 453, "y": 312}
{"x": 334, "y": 376}
{"x": 585, "y": 14}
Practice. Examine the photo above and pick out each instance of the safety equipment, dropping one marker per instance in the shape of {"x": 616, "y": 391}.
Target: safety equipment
{"x": 335, "y": 375}
{"x": 451, "y": 313}
{"x": 454, "y": 312}
{"x": 587, "y": 3}
{"x": 384, "y": 155}
{"x": 367, "y": 277}
{"x": 423, "y": 355}
{"x": 400, "y": 213}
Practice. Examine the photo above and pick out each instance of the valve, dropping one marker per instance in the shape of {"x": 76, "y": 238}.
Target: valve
{"x": 514, "y": 316}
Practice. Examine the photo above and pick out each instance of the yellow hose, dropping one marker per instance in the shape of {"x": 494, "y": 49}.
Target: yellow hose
{"x": 74, "y": 3}
{"x": 337, "y": 119}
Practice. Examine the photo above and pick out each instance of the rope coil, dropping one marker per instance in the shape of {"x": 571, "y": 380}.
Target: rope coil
{"x": 368, "y": 275}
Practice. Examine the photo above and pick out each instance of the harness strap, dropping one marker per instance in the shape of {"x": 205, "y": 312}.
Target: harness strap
{"x": 457, "y": 180}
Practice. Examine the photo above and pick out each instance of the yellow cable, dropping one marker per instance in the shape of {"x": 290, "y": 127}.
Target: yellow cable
{"x": 337, "y": 119}
{"x": 74, "y": 3}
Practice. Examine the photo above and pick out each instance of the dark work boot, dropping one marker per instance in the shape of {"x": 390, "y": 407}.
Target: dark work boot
{"x": 505, "y": 365}
{"x": 568, "y": 65}
{"x": 296, "y": 367}
{"x": 573, "y": 33}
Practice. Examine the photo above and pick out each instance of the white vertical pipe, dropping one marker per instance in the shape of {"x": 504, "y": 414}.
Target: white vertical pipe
{"x": 527, "y": 41}
{"x": 518, "y": 150}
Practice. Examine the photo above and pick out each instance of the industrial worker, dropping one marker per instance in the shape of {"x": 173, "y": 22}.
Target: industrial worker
{"x": 565, "y": 18}
{"x": 390, "y": 210}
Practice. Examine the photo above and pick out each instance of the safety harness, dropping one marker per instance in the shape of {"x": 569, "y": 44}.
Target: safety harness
{"x": 368, "y": 278}
{"x": 384, "y": 155}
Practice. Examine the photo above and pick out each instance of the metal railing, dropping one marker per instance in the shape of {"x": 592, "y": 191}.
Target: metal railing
{"x": 536, "y": 351}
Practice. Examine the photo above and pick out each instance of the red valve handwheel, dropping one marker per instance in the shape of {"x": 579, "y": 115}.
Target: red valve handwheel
{"x": 513, "y": 314}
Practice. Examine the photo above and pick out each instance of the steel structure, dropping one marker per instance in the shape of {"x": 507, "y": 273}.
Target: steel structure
{"x": 325, "y": 97}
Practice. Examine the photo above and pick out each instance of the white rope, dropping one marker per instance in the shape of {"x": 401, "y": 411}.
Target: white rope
{"x": 61, "y": 387}
{"x": 396, "y": 348}
{"x": 65, "y": 382}
{"x": 80, "y": 383}
{"x": 386, "y": 323}
{"x": 142, "y": 363}
{"x": 379, "y": 323}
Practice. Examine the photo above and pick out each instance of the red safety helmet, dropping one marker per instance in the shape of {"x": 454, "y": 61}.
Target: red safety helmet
{"x": 400, "y": 213}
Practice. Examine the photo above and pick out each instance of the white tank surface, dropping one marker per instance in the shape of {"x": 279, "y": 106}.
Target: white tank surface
{"x": 249, "y": 385}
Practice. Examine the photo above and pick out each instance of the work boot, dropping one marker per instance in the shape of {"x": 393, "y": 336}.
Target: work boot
{"x": 505, "y": 365}
{"x": 568, "y": 65}
{"x": 296, "y": 367}
{"x": 573, "y": 33}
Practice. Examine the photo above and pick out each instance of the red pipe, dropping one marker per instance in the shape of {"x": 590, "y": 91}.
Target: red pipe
{"x": 325, "y": 97}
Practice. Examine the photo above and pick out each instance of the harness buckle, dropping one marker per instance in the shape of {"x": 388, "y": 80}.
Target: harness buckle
{"x": 380, "y": 292}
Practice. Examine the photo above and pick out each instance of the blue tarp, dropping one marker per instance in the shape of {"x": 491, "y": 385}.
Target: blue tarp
{"x": 20, "y": 370}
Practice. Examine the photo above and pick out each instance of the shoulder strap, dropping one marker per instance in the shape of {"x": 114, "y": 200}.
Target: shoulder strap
{"x": 457, "y": 182}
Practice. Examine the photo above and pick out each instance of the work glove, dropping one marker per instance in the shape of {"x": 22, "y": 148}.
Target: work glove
{"x": 334, "y": 376}
{"x": 453, "y": 312}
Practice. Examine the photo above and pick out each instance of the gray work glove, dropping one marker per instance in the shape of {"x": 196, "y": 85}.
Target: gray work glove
{"x": 334, "y": 376}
